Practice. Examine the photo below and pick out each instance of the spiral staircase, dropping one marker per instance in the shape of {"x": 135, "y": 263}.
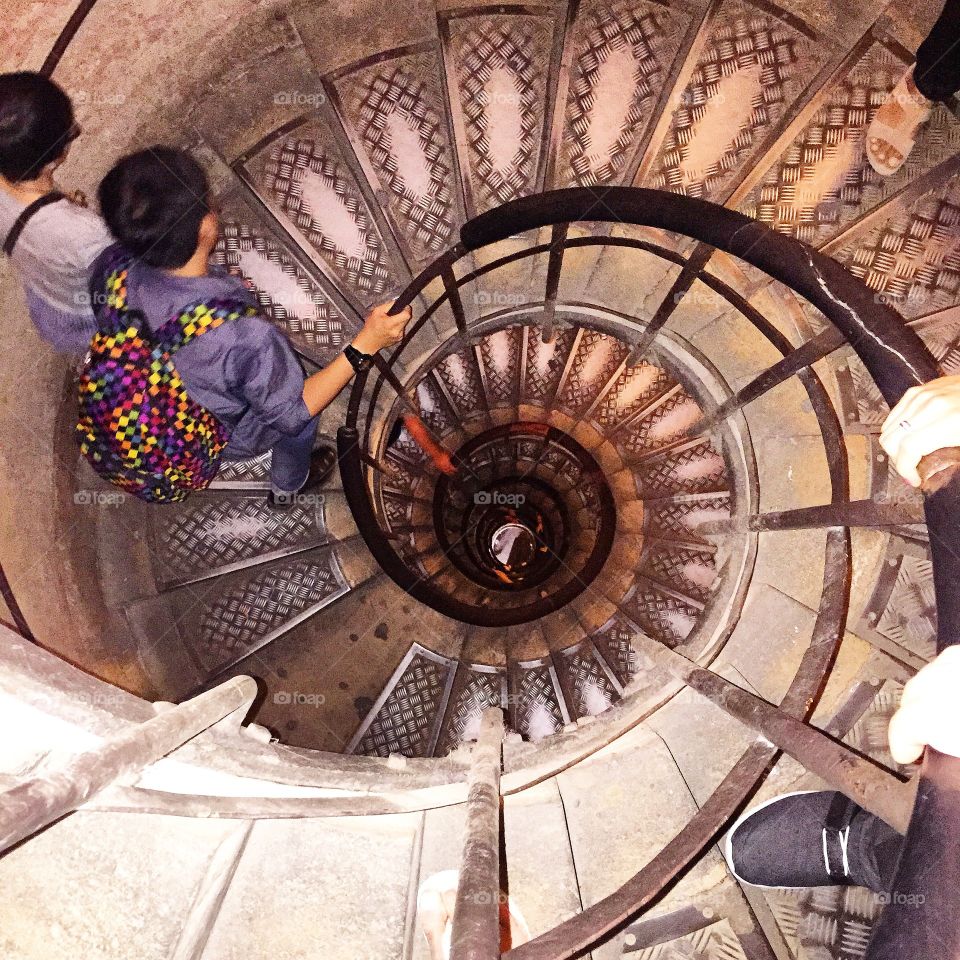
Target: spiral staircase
{"x": 660, "y": 451}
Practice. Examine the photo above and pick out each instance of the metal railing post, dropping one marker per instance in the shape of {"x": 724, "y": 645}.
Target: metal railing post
{"x": 476, "y": 919}
{"x": 63, "y": 782}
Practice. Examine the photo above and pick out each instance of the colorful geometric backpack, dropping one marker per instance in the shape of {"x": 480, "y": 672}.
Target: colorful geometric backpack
{"x": 138, "y": 428}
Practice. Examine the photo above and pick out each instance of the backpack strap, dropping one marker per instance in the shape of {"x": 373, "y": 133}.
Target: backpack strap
{"x": 197, "y": 319}
{"x": 108, "y": 294}
{"x": 26, "y": 215}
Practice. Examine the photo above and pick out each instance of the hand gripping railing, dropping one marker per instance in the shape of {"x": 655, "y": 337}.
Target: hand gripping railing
{"x": 895, "y": 358}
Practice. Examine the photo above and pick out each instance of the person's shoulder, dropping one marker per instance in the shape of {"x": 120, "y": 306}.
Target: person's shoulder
{"x": 107, "y": 258}
{"x": 80, "y": 220}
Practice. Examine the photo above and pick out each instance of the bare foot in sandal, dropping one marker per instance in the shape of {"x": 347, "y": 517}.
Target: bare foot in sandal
{"x": 892, "y": 132}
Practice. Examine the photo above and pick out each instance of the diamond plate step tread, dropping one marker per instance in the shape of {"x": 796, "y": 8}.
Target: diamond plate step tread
{"x": 903, "y": 606}
{"x": 544, "y": 364}
{"x": 288, "y": 295}
{"x": 636, "y": 387}
{"x": 697, "y": 469}
{"x": 304, "y": 176}
{"x": 207, "y": 536}
{"x": 537, "y": 706}
{"x": 622, "y": 53}
{"x": 475, "y": 687}
{"x": 681, "y": 519}
{"x": 501, "y": 64}
{"x": 406, "y": 718}
{"x": 591, "y": 685}
{"x": 912, "y": 258}
{"x": 613, "y": 641}
{"x": 597, "y": 358}
{"x": 501, "y": 352}
{"x": 752, "y": 68}
{"x": 665, "y": 618}
{"x": 717, "y": 941}
{"x": 686, "y": 569}
{"x": 225, "y": 619}
{"x": 253, "y": 474}
{"x": 823, "y": 181}
{"x": 395, "y": 112}
{"x": 663, "y": 425}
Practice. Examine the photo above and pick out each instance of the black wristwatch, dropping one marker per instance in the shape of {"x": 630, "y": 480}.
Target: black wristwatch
{"x": 359, "y": 361}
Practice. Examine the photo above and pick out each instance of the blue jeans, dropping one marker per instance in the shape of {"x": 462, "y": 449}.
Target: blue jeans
{"x": 290, "y": 458}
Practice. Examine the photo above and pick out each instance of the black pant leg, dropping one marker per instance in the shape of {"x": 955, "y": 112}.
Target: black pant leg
{"x": 937, "y": 74}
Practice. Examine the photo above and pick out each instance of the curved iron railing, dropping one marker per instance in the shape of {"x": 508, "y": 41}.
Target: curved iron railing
{"x": 896, "y": 359}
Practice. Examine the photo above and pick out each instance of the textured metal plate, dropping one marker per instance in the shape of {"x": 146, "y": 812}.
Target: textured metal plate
{"x": 462, "y": 384}
{"x": 307, "y": 177}
{"x": 501, "y": 63}
{"x": 699, "y": 469}
{"x": 861, "y": 402}
{"x": 636, "y": 387}
{"x": 538, "y": 707}
{"x": 614, "y": 644}
{"x": 903, "y": 607}
{"x": 207, "y": 534}
{"x": 665, "y": 423}
{"x": 253, "y": 473}
{"x": 405, "y": 720}
{"x": 837, "y": 922}
{"x": 869, "y": 734}
{"x": 692, "y": 572}
{"x": 681, "y": 518}
{"x": 912, "y": 259}
{"x": 662, "y": 617}
{"x": 501, "y": 362}
{"x": 752, "y": 68}
{"x": 545, "y": 363}
{"x": 824, "y": 181}
{"x": 714, "y": 942}
{"x": 597, "y": 358}
{"x": 243, "y": 612}
{"x": 623, "y": 53}
{"x": 591, "y": 688}
{"x": 941, "y": 333}
{"x": 475, "y": 688}
{"x": 434, "y": 411}
{"x": 397, "y": 114}
{"x": 285, "y": 293}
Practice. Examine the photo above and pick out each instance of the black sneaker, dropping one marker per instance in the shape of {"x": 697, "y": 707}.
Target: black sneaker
{"x": 323, "y": 462}
{"x": 812, "y": 839}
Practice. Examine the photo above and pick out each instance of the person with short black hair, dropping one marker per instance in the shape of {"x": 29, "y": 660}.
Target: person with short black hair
{"x": 50, "y": 238}
{"x": 158, "y": 204}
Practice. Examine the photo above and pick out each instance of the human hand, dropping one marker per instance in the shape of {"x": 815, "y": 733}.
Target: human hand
{"x": 382, "y": 330}
{"x": 929, "y": 711}
{"x": 926, "y": 419}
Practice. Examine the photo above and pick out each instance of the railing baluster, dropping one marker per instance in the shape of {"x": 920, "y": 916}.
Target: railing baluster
{"x": 476, "y": 919}
{"x": 61, "y": 783}
{"x": 558, "y": 240}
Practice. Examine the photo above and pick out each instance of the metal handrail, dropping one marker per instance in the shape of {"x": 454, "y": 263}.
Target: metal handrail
{"x": 63, "y": 782}
{"x": 894, "y": 356}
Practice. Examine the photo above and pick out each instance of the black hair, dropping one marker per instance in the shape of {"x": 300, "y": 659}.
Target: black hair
{"x": 154, "y": 202}
{"x": 36, "y": 125}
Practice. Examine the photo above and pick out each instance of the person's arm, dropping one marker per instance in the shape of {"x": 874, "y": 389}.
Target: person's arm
{"x": 380, "y": 330}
